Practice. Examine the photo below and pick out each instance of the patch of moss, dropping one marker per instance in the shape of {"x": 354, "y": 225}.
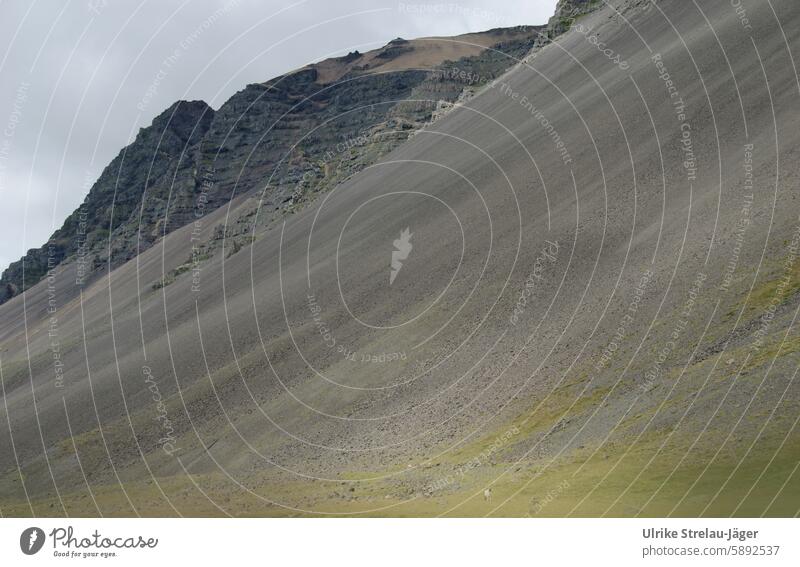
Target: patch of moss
{"x": 780, "y": 286}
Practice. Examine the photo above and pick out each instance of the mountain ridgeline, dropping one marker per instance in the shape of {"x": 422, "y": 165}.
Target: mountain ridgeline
{"x": 286, "y": 139}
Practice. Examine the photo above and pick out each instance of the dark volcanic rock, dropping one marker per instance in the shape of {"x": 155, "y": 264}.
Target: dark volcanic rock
{"x": 139, "y": 174}
{"x": 292, "y": 135}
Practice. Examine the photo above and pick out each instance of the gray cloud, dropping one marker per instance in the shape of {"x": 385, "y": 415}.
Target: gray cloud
{"x": 79, "y": 79}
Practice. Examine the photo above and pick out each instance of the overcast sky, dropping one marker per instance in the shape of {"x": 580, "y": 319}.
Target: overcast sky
{"x": 79, "y": 78}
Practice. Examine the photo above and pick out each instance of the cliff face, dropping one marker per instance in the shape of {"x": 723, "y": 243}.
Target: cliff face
{"x": 290, "y": 137}
{"x": 141, "y": 172}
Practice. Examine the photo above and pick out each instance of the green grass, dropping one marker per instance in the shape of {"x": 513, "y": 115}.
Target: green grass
{"x": 619, "y": 478}
{"x": 613, "y": 482}
{"x": 767, "y": 290}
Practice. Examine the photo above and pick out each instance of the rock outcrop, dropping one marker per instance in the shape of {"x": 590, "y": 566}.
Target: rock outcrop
{"x": 290, "y": 137}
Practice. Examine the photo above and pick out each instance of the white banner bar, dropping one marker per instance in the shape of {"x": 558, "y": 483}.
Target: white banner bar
{"x": 389, "y": 542}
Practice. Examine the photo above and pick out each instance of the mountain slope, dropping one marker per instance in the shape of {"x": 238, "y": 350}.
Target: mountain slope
{"x": 594, "y": 313}
{"x": 191, "y": 160}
